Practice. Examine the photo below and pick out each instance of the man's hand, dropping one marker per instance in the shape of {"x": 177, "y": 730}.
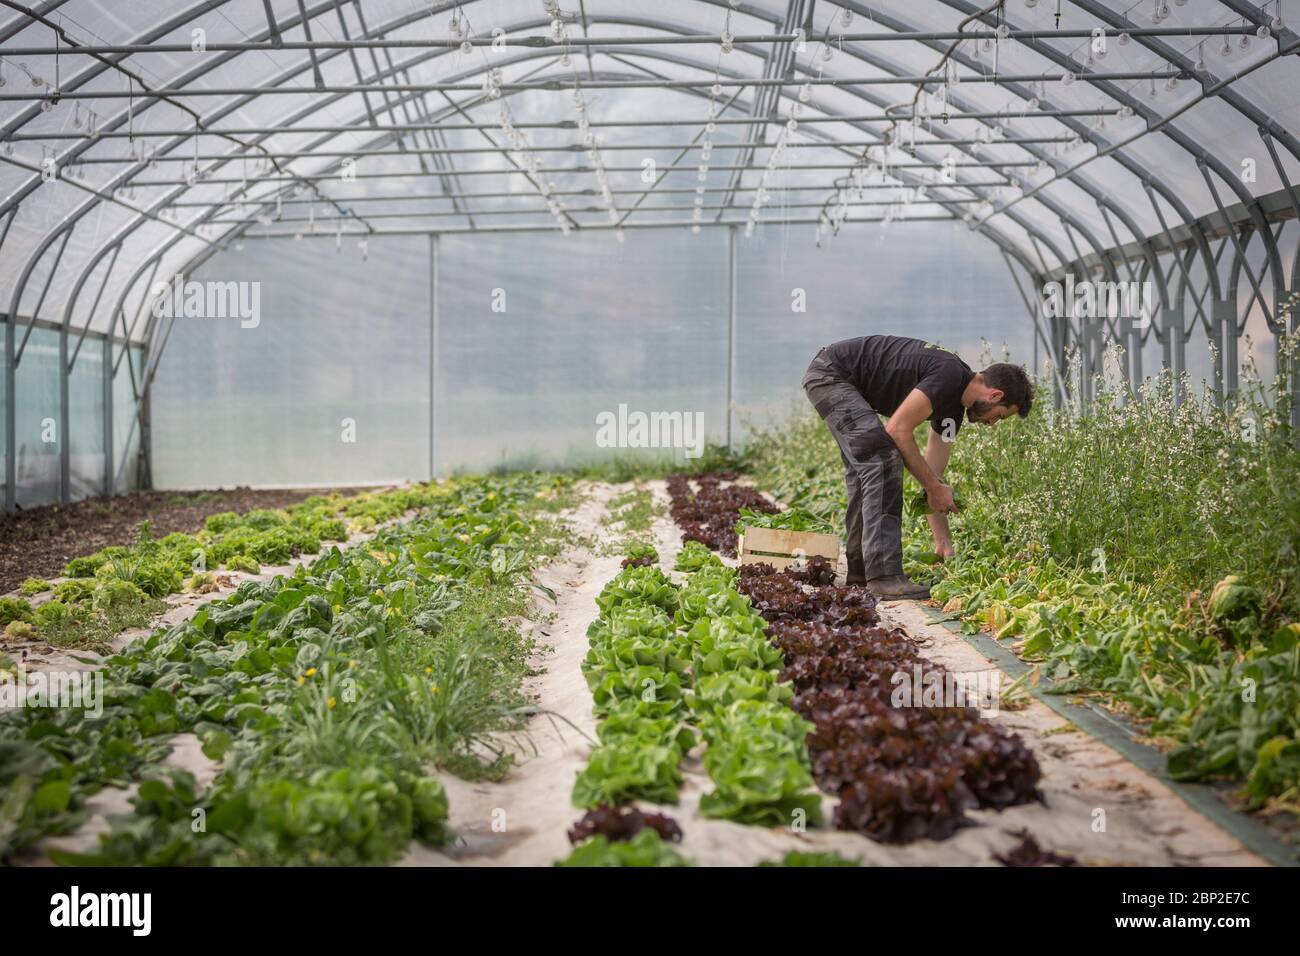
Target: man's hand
{"x": 940, "y": 498}
{"x": 945, "y": 551}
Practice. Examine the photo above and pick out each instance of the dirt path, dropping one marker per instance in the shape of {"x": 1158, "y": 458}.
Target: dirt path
{"x": 523, "y": 819}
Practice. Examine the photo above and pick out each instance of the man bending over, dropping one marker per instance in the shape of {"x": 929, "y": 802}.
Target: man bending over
{"x": 851, "y": 384}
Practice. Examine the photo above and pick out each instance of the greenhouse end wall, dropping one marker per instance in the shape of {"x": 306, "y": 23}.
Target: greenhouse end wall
{"x": 332, "y": 384}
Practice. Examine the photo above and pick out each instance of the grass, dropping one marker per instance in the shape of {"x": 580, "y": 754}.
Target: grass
{"x": 624, "y": 468}
{"x": 96, "y": 630}
{"x": 634, "y": 511}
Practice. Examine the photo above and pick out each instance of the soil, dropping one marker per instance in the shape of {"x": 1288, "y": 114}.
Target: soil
{"x": 40, "y": 541}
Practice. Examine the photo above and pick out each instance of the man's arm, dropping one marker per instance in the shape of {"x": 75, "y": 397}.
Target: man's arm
{"x": 915, "y": 409}
{"x": 937, "y": 452}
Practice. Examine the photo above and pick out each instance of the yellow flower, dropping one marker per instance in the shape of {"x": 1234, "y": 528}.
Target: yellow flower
{"x": 311, "y": 672}
{"x": 433, "y": 688}
{"x": 463, "y": 537}
{"x": 330, "y": 703}
{"x": 352, "y": 665}
{"x": 301, "y": 681}
{"x": 428, "y": 670}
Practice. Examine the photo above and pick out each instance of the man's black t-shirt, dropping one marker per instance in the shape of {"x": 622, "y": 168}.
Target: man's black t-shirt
{"x": 885, "y": 369}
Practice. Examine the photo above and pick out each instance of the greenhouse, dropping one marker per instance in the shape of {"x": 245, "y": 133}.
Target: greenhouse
{"x": 562, "y": 432}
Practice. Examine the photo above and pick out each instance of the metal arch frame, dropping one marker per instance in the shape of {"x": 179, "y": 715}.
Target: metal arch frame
{"x": 681, "y": 62}
{"x": 1108, "y": 89}
{"x": 1079, "y": 129}
{"x": 23, "y": 117}
{"x": 384, "y": 135}
{"x": 1202, "y": 157}
{"x": 763, "y": 15}
{"x": 1156, "y": 122}
{"x": 778, "y": 62}
{"x": 402, "y": 21}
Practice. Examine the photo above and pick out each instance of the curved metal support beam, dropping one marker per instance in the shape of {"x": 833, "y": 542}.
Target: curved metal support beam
{"x": 1118, "y": 95}
{"x": 1079, "y": 129}
{"x": 386, "y": 135}
{"x": 401, "y": 21}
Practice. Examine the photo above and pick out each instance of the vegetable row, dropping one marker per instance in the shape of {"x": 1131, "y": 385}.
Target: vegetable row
{"x": 900, "y": 772}
{"x": 115, "y": 580}
{"x": 324, "y": 695}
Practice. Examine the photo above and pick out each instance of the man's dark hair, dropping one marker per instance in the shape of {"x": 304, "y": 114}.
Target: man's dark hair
{"x": 1013, "y": 382}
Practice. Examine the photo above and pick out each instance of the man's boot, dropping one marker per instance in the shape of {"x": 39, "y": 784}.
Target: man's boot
{"x": 898, "y": 587}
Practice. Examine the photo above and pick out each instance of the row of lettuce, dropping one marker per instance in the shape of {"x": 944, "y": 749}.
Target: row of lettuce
{"x": 670, "y": 666}
{"x": 325, "y": 697}
{"x": 121, "y": 586}
{"x": 790, "y": 683}
{"x": 1143, "y": 553}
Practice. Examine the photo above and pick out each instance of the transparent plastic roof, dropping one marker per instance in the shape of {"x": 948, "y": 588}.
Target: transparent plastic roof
{"x": 138, "y": 138}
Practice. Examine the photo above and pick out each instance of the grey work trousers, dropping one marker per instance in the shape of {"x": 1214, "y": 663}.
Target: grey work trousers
{"x": 873, "y": 471}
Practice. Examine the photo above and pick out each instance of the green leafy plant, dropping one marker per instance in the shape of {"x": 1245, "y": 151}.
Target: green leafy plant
{"x": 693, "y": 556}
{"x": 792, "y": 519}
{"x": 646, "y": 849}
{"x": 811, "y": 858}
{"x": 14, "y": 609}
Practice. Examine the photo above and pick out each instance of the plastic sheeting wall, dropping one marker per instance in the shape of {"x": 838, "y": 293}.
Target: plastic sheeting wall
{"x": 926, "y": 280}
{"x": 537, "y": 337}
{"x": 327, "y": 385}
{"x": 37, "y": 420}
{"x": 126, "y": 425}
{"x": 36, "y": 417}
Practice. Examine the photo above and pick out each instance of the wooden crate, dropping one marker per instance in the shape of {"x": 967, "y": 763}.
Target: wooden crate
{"x": 782, "y": 548}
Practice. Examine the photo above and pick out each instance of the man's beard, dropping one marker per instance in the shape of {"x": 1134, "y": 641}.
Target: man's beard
{"x": 978, "y": 410}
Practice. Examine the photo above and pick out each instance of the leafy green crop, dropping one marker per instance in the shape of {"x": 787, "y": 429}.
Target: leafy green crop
{"x": 644, "y": 849}
{"x": 792, "y": 519}
{"x": 695, "y": 555}
{"x": 639, "y": 585}
{"x": 14, "y": 609}
{"x": 714, "y": 654}
{"x": 325, "y": 694}
{"x": 631, "y": 767}
{"x": 759, "y": 765}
